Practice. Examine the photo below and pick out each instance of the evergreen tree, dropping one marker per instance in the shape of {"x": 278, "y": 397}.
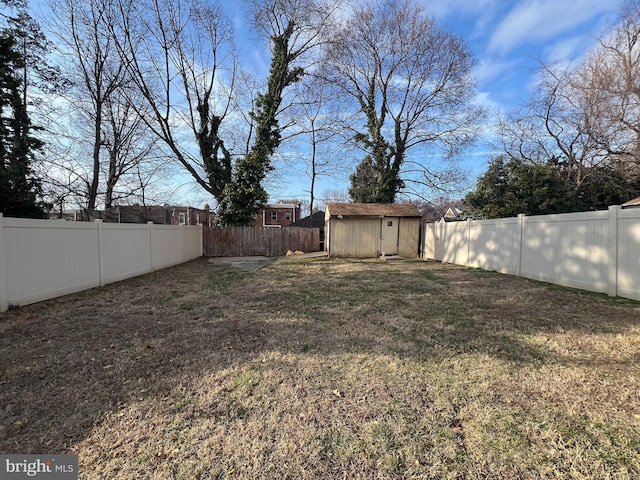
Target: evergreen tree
{"x": 364, "y": 183}
{"x": 606, "y": 185}
{"x": 510, "y": 187}
{"x": 19, "y": 189}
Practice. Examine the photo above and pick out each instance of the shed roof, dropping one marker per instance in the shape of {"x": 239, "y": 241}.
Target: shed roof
{"x": 373, "y": 210}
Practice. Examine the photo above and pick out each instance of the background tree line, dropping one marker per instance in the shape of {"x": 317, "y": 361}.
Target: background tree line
{"x": 575, "y": 144}
{"x": 123, "y": 99}
{"x": 148, "y": 91}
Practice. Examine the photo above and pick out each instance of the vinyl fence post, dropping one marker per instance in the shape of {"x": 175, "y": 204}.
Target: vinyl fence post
{"x": 4, "y": 280}
{"x": 612, "y": 254}
{"x": 181, "y": 243}
{"x": 100, "y": 231}
{"x": 520, "y": 243}
{"x": 152, "y": 267}
{"x": 430, "y": 239}
{"x": 468, "y": 264}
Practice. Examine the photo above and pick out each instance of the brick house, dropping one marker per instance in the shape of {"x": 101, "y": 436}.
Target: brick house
{"x": 278, "y": 215}
{"x": 161, "y": 215}
{"x": 181, "y": 215}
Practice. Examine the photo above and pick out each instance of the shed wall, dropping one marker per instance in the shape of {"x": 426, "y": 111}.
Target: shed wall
{"x": 409, "y": 237}
{"x": 360, "y": 237}
{"x": 354, "y": 237}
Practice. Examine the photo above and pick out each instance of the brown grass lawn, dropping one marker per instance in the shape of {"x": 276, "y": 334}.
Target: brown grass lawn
{"x": 326, "y": 369}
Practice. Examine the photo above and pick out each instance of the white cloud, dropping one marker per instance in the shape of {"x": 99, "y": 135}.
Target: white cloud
{"x": 488, "y": 70}
{"x": 568, "y": 51}
{"x": 541, "y": 20}
{"x": 484, "y": 99}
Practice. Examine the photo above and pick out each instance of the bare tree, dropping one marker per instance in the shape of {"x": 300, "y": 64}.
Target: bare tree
{"x": 585, "y": 119}
{"x": 555, "y": 126}
{"x": 181, "y": 58}
{"x": 128, "y": 144}
{"x": 410, "y": 81}
{"x": 101, "y": 101}
{"x": 610, "y": 76}
{"x": 332, "y": 195}
{"x": 94, "y": 66}
{"x": 320, "y": 149}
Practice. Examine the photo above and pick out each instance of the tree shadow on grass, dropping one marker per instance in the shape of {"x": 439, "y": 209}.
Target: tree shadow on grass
{"x": 69, "y": 363}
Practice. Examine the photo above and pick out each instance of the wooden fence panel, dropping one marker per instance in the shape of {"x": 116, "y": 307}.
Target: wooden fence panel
{"x": 248, "y": 241}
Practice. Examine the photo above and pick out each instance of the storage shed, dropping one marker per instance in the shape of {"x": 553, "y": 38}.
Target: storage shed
{"x": 372, "y": 229}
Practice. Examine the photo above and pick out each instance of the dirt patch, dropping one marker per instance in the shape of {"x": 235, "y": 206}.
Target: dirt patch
{"x": 245, "y": 264}
{"x": 251, "y": 263}
{"x": 326, "y": 369}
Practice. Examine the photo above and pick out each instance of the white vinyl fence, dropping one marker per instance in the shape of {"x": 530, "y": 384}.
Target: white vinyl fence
{"x": 42, "y": 259}
{"x": 596, "y": 251}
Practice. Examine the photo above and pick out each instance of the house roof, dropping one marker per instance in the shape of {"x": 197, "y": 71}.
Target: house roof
{"x": 453, "y": 212}
{"x": 373, "y": 210}
{"x": 313, "y": 221}
{"x": 282, "y": 205}
{"x": 632, "y": 203}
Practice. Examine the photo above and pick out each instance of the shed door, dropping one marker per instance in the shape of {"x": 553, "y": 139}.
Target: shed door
{"x": 389, "y": 235}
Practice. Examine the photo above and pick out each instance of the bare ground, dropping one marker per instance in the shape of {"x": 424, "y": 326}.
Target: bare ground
{"x": 326, "y": 369}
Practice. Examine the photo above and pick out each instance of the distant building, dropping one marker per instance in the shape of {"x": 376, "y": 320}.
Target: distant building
{"x": 313, "y": 221}
{"x": 68, "y": 215}
{"x": 453, "y": 214}
{"x": 181, "y": 215}
{"x": 278, "y": 215}
{"x": 160, "y": 215}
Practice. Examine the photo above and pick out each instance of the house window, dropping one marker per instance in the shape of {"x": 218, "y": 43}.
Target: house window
{"x": 274, "y": 215}
{"x": 390, "y": 223}
{"x": 182, "y": 219}
{"x": 287, "y": 216}
{"x": 197, "y": 219}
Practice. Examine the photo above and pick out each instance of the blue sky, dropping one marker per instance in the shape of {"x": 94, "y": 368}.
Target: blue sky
{"x": 507, "y": 37}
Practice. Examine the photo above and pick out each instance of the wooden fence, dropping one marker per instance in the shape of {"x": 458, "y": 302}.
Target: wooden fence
{"x": 270, "y": 242}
